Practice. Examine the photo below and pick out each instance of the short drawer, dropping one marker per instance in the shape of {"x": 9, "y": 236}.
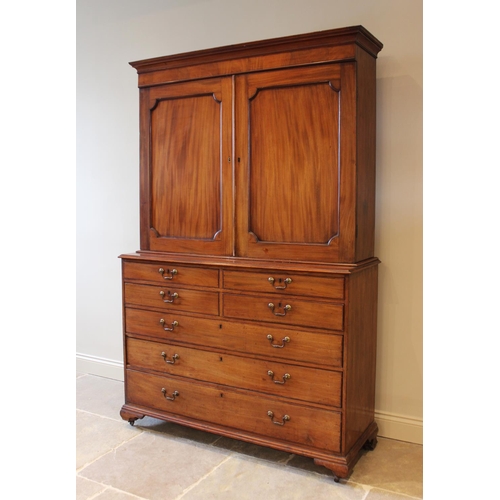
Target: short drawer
{"x": 171, "y": 274}
{"x": 172, "y": 298}
{"x": 272, "y": 377}
{"x": 284, "y": 310}
{"x": 242, "y": 410}
{"x": 285, "y": 283}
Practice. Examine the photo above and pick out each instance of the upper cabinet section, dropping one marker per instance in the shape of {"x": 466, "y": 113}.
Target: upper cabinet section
{"x": 263, "y": 150}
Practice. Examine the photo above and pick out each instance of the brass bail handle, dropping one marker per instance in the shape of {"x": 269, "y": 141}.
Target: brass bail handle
{"x": 284, "y": 418}
{"x": 174, "y": 358}
{"x": 174, "y": 296}
{"x": 286, "y": 308}
{"x": 166, "y": 328}
{"x": 172, "y": 273}
{"x": 278, "y": 346}
{"x": 170, "y": 398}
{"x": 285, "y": 282}
{"x": 285, "y": 377}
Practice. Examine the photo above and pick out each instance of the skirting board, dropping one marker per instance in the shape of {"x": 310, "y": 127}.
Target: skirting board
{"x": 102, "y": 367}
{"x": 399, "y": 427}
{"x": 390, "y": 425}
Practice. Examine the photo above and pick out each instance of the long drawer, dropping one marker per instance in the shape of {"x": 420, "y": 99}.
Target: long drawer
{"x": 250, "y": 338}
{"x": 297, "y": 382}
{"x": 171, "y": 273}
{"x": 284, "y": 310}
{"x": 251, "y": 412}
{"x": 172, "y": 298}
{"x": 285, "y": 283}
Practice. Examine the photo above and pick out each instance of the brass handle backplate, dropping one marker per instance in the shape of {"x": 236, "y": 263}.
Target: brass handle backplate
{"x": 166, "y": 328}
{"x": 170, "y": 398}
{"x": 278, "y": 346}
{"x": 285, "y": 377}
{"x": 172, "y": 273}
{"x": 284, "y": 419}
{"x": 285, "y": 282}
{"x": 174, "y": 357}
{"x": 286, "y": 308}
{"x": 174, "y": 296}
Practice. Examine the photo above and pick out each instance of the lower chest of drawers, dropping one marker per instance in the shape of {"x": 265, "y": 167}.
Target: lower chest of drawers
{"x": 255, "y": 354}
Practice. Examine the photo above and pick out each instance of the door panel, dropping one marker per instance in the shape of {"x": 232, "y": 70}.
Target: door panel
{"x": 290, "y": 182}
{"x": 190, "y": 205}
{"x": 286, "y": 204}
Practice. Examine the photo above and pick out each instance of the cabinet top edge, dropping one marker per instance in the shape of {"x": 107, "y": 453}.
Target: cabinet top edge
{"x": 240, "y": 262}
{"x": 339, "y": 36}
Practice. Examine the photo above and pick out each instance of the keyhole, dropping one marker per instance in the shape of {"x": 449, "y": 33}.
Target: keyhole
{"x": 220, "y": 358}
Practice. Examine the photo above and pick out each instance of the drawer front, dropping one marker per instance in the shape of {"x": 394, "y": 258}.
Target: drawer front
{"x": 271, "y": 377}
{"x": 171, "y": 274}
{"x": 301, "y": 312}
{"x": 284, "y": 283}
{"x": 304, "y": 346}
{"x": 236, "y": 409}
{"x": 172, "y": 299}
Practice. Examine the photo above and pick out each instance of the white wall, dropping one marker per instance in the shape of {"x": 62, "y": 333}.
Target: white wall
{"x": 111, "y": 33}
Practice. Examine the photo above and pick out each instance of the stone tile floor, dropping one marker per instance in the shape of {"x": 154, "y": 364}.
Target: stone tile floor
{"x": 156, "y": 460}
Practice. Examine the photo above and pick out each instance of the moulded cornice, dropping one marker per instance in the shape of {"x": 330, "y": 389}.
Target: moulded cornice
{"x": 352, "y": 35}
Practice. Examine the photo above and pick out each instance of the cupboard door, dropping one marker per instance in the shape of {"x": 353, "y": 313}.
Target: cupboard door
{"x": 295, "y": 175}
{"x": 186, "y": 197}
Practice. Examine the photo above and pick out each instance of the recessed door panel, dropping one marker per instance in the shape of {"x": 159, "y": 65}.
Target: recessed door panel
{"x": 294, "y": 169}
{"x": 294, "y": 163}
{"x": 185, "y": 160}
{"x": 189, "y": 203}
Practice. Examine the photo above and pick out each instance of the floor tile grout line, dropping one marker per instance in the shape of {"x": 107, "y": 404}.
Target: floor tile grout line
{"x": 371, "y": 486}
{"x": 98, "y": 415}
{"x": 83, "y": 467}
{"x": 367, "y": 489}
{"x": 127, "y": 493}
{"x": 189, "y": 488}
{"x": 292, "y": 455}
{"x": 112, "y": 488}
{"x": 95, "y": 495}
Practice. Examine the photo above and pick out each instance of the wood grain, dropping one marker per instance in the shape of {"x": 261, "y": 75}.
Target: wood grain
{"x": 307, "y": 348}
{"x": 183, "y": 275}
{"x": 237, "y": 409}
{"x": 319, "y": 387}
{"x": 306, "y": 313}
{"x": 195, "y": 301}
{"x": 186, "y": 176}
{"x": 301, "y": 284}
